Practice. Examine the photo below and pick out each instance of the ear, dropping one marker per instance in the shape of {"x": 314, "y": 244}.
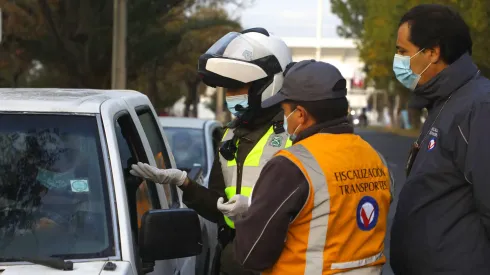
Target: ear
{"x": 435, "y": 54}
{"x": 303, "y": 114}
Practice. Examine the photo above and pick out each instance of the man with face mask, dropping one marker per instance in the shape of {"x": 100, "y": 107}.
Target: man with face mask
{"x": 58, "y": 158}
{"x": 442, "y": 221}
{"x": 321, "y": 205}
{"x": 250, "y": 66}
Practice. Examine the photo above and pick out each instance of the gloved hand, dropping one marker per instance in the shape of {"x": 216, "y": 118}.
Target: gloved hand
{"x": 236, "y": 206}
{"x": 163, "y": 176}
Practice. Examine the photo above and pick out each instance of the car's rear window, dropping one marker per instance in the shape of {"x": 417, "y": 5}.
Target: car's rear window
{"x": 188, "y": 146}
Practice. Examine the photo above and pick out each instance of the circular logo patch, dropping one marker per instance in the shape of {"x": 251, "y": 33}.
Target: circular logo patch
{"x": 432, "y": 144}
{"x": 367, "y": 213}
{"x": 276, "y": 141}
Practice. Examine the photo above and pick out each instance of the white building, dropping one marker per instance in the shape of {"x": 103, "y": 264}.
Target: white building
{"x": 340, "y": 52}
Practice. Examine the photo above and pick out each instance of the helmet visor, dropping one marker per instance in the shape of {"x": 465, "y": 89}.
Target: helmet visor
{"x": 237, "y": 46}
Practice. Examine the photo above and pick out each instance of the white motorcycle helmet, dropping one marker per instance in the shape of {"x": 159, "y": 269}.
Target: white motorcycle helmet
{"x": 251, "y": 56}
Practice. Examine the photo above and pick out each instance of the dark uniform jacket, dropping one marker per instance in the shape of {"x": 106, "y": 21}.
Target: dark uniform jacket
{"x": 442, "y": 222}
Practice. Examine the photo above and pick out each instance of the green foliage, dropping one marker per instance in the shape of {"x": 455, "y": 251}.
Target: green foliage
{"x": 374, "y": 23}
{"x": 72, "y": 39}
{"x": 352, "y": 14}
{"x": 379, "y": 20}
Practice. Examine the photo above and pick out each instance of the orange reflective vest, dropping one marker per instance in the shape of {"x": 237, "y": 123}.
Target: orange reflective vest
{"x": 343, "y": 223}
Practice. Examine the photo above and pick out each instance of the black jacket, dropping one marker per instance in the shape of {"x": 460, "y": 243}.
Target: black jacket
{"x": 442, "y": 221}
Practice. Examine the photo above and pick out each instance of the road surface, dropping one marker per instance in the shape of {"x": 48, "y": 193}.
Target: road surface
{"x": 395, "y": 149}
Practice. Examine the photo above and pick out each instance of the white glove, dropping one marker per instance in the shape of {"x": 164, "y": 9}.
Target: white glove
{"x": 236, "y": 206}
{"x": 163, "y": 176}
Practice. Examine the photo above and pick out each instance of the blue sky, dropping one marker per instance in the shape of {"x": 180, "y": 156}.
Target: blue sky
{"x": 288, "y": 18}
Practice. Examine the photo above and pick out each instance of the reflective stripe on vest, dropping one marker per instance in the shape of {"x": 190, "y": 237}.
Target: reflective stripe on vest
{"x": 262, "y": 152}
{"x": 321, "y": 206}
{"x": 337, "y": 229}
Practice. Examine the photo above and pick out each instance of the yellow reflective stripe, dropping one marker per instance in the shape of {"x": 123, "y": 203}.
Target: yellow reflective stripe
{"x": 253, "y": 158}
{"x": 231, "y": 163}
{"x": 224, "y": 135}
{"x": 229, "y": 222}
{"x": 230, "y": 192}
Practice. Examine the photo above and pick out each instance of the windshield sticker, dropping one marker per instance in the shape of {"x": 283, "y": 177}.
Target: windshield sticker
{"x": 79, "y": 186}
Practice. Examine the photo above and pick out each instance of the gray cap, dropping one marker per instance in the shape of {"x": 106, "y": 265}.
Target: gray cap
{"x": 309, "y": 80}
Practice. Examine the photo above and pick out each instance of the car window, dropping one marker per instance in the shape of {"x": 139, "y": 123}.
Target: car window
{"x": 159, "y": 150}
{"x": 54, "y": 196}
{"x": 142, "y": 194}
{"x": 189, "y": 147}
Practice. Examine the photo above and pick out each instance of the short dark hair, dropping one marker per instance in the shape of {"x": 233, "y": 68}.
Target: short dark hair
{"x": 438, "y": 25}
{"x": 324, "y": 110}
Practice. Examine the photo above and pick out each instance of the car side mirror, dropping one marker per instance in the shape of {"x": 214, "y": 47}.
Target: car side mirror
{"x": 169, "y": 234}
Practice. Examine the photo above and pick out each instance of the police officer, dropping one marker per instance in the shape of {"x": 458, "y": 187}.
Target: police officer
{"x": 250, "y": 66}
{"x": 321, "y": 205}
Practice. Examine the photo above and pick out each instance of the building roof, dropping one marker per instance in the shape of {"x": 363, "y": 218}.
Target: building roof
{"x": 60, "y": 100}
{"x": 312, "y": 42}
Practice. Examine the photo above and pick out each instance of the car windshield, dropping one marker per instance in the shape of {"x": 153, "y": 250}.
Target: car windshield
{"x": 189, "y": 147}
{"x": 53, "y": 190}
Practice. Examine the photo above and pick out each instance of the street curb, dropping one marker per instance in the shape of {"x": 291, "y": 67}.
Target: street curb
{"x": 396, "y": 131}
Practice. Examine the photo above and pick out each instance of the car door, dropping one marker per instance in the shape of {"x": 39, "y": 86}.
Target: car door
{"x": 134, "y": 196}
{"x": 142, "y": 195}
{"x": 163, "y": 159}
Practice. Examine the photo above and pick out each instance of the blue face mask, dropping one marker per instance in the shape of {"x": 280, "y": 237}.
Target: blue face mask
{"x": 53, "y": 180}
{"x": 403, "y": 71}
{"x": 233, "y": 101}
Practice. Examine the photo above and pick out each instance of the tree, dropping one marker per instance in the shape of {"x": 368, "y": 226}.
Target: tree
{"x": 352, "y": 14}
{"x": 20, "y": 21}
{"x": 72, "y": 40}
{"x": 377, "y": 37}
{"x": 193, "y": 44}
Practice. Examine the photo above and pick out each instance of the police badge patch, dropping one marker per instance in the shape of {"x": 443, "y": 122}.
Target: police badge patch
{"x": 276, "y": 141}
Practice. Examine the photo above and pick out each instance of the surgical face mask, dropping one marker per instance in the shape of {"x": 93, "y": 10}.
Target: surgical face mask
{"x": 285, "y": 125}
{"x": 233, "y": 101}
{"x": 53, "y": 180}
{"x": 404, "y": 73}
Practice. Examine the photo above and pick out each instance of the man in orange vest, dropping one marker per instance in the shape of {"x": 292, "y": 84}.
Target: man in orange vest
{"x": 320, "y": 206}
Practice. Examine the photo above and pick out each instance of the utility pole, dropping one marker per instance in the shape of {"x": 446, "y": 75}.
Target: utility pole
{"x": 220, "y": 93}
{"x": 319, "y": 20}
{"x": 118, "y": 77}
{"x": 1, "y": 26}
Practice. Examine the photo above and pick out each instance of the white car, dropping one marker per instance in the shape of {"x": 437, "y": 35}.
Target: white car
{"x": 194, "y": 143}
{"x": 67, "y": 199}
